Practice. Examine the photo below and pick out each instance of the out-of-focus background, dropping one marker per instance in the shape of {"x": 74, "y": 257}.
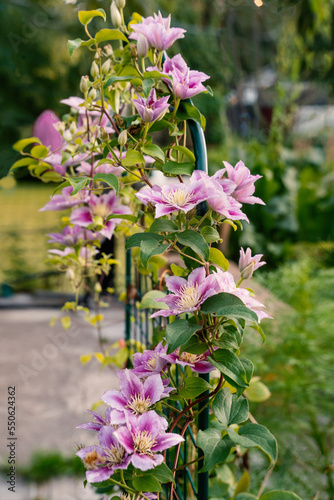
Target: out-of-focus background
{"x": 271, "y": 68}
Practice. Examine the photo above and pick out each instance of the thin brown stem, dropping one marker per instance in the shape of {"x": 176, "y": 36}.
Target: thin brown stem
{"x": 265, "y": 480}
{"x": 194, "y": 403}
{"x": 177, "y": 452}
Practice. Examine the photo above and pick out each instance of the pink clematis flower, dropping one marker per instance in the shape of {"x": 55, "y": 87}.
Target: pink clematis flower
{"x": 151, "y": 109}
{"x": 150, "y": 362}
{"x": 219, "y": 198}
{"x": 186, "y": 295}
{"x": 71, "y": 235}
{"x": 197, "y": 363}
{"x": 173, "y": 197}
{"x": 226, "y": 284}
{"x": 244, "y": 181}
{"x": 157, "y": 31}
{"x": 135, "y": 396}
{"x": 64, "y": 200}
{"x": 111, "y": 417}
{"x": 97, "y": 210}
{"x": 186, "y": 82}
{"x": 143, "y": 439}
{"x": 102, "y": 461}
{"x": 45, "y": 131}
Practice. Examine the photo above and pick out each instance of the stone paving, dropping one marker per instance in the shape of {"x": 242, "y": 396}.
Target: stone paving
{"x": 53, "y": 389}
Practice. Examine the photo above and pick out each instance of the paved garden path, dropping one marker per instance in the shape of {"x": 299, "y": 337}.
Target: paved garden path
{"x": 53, "y": 389}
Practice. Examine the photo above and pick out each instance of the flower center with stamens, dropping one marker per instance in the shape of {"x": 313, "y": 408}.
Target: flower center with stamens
{"x": 143, "y": 442}
{"x": 189, "y": 297}
{"x": 151, "y": 364}
{"x": 139, "y": 404}
{"x": 101, "y": 210}
{"x": 189, "y": 358}
{"x": 92, "y": 460}
{"x": 115, "y": 454}
{"x": 178, "y": 197}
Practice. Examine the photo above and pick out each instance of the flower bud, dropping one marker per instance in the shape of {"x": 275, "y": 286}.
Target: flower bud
{"x": 97, "y": 287}
{"x": 92, "y": 94}
{"x": 133, "y": 51}
{"x": 94, "y": 70}
{"x": 73, "y": 128}
{"x": 247, "y": 272}
{"x": 122, "y": 138}
{"x": 67, "y": 135}
{"x": 60, "y": 127}
{"x": 70, "y": 274}
{"x": 115, "y": 15}
{"x": 102, "y": 133}
{"x": 108, "y": 50}
{"x": 120, "y": 4}
{"x": 142, "y": 45}
{"x": 106, "y": 66}
{"x": 84, "y": 84}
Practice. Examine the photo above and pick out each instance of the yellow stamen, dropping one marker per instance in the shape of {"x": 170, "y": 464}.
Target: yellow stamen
{"x": 139, "y": 404}
{"x": 143, "y": 442}
{"x": 189, "y": 297}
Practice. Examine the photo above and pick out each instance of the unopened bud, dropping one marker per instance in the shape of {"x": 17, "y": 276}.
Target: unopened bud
{"x": 115, "y": 15}
{"x": 106, "y": 66}
{"x": 122, "y": 138}
{"x": 142, "y": 45}
{"x": 120, "y": 4}
{"x": 73, "y": 128}
{"x": 84, "y": 84}
{"x": 247, "y": 272}
{"x": 119, "y": 121}
{"x": 92, "y": 94}
{"x": 70, "y": 274}
{"x": 67, "y": 135}
{"x": 108, "y": 50}
{"x": 94, "y": 70}
{"x": 60, "y": 127}
{"x": 133, "y": 51}
{"x": 97, "y": 287}
{"x": 98, "y": 221}
{"x": 102, "y": 133}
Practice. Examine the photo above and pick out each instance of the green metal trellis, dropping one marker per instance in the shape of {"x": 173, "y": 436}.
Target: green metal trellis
{"x": 139, "y": 328}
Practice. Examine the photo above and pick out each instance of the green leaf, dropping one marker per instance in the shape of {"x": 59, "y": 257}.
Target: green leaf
{"x": 20, "y": 145}
{"x": 188, "y": 111}
{"x": 211, "y": 235}
{"x": 178, "y": 270}
{"x": 186, "y": 152}
{"x": 172, "y": 167}
{"x": 217, "y": 257}
{"x": 72, "y": 45}
{"x": 108, "y": 34}
{"x": 193, "y": 387}
{"x": 109, "y": 179}
{"x": 148, "y": 301}
{"x": 148, "y": 248}
{"x": 243, "y": 483}
{"x": 226, "y": 304}
{"x": 162, "y": 473}
{"x": 249, "y": 368}
{"x": 77, "y": 183}
{"x": 255, "y": 435}
{"x": 154, "y": 74}
{"x": 257, "y": 391}
{"x": 216, "y": 450}
{"x": 245, "y": 496}
{"x": 131, "y": 218}
{"x": 39, "y": 151}
{"x": 196, "y": 242}
{"x": 229, "y": 409}
{"x": 115, "y": 78}
{"x": 147, "y": 86}
{"x": 23, "y": 163}
{"x": 163, "y": 226}
{"x": 132, "y": 158}
{"x": 280, "y": 495}
{"x": 231, "y": 367}
{"x": 85, "y": 16}
{"x": 136, "y": 239}
{"x": 154, "y": 151}
{"x": 146, "y": 483}
{"x": 194, "y": 346}
{"x": 178, "y": 333}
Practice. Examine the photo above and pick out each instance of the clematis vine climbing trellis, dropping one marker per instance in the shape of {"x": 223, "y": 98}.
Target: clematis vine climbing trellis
{"x": 105, "y": 156}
